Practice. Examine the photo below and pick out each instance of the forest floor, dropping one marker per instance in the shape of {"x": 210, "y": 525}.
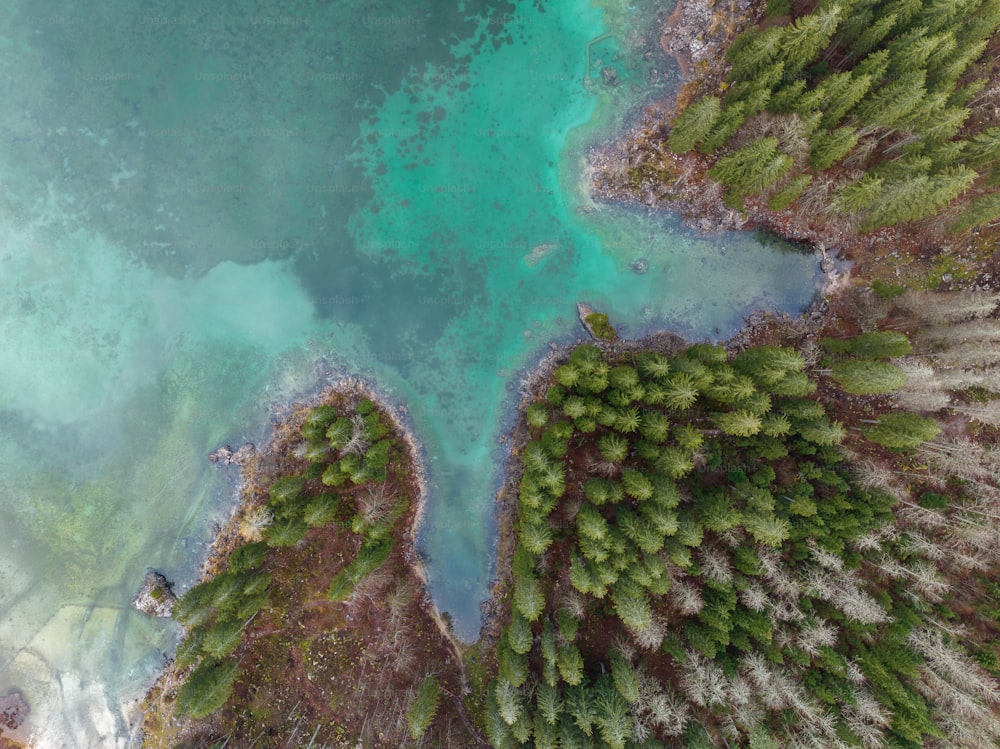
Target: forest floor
{"x": 316, "y": 672}
{"x": 639, "y": 168}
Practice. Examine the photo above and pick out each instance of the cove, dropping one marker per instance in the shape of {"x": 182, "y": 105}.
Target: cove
{"x": 206, "y": 211}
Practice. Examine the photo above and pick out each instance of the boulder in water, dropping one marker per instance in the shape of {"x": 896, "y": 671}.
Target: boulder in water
{"x": 226, "y": 456}
{"x": 13, "y": 709}
{"x": 156, "y": 596}
{"x": 639, "y": 265}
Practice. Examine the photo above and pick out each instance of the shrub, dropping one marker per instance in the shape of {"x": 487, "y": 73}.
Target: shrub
{"x": 601, "y": 327}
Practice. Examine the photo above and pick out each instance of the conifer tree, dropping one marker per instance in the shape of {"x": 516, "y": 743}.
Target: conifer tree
{"x": 867, "y": 377}
{"x": 423, "y": 707}
{"x": 788, "y": 194}
{"x": 982, "y": 211}
{"x": 694, "y": 124}
{"x": 829, "y": 147}
{"x": 207, "y": 688}
{"x": 903, "y": 431}
{"x": 751, "y": 169}
{"x": 611, "y": 715}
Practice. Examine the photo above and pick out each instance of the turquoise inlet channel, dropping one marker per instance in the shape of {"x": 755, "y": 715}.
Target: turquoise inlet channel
{"x": 207, "y": 208}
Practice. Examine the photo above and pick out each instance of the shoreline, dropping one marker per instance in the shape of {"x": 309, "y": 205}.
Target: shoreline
{"x": 636, "y": 168}
{"x": 250, "y": 490}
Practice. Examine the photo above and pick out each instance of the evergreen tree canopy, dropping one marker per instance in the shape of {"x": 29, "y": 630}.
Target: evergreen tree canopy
{"x": 865, "y": 77}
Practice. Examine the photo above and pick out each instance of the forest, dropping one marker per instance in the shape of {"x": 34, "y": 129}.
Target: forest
{"x": 791, "y": 542}
{"x": 784, "y": 546}
{"x": 872, "y": 112}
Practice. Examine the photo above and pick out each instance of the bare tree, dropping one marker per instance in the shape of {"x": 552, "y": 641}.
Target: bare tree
{"x": 941, "y": 308}
{"x": 253, "y": 523}
{"x": 376, "y": 504}
{"x": 865, "y": 308}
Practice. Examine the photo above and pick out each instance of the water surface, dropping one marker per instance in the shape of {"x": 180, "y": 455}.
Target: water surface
{"x": 202, "y": 208}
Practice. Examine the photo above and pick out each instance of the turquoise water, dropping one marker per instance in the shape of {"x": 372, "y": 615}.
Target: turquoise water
{"x": 204, "y": 211}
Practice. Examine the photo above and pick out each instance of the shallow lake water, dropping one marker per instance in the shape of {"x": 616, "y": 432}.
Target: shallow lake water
{"x": 205, "y": 209}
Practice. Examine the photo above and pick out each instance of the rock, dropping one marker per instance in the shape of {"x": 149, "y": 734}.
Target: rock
{"x": 610, "y": 76}
{"x": 584, "y": 311}
{"x": 156, "y": 596}
{"x": 826, "y": 264}
{"x": 639, "y": 265}
{"x": 13, "y": 709}
{"x": 243, "y": 454}
{"x": 225, "y": 455}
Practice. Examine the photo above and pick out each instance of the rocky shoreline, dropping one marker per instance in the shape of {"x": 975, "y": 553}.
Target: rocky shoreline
{"x": 257, "y": 467}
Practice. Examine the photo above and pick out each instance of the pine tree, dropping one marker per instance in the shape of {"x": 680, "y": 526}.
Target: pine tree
{"x": 751, "y": 169}
{"x": 693, "y": 124}
{"x": 612, "y": 715}
{"x": 902, "y": 431}
{"x": 841, "y": 93}
{"x": 549, "y": 702}
{"x": 536, "y": 536}
{"x": 738, "y": 423}
{"x": 823, "y": 432}
{"x": 860, "y": 195}
{"x": 223, "y": 638}
{"x": 570, "y": 664}
{"x": 631, "y": 605}
{"x": 755, "y": 50}
{"x": 508, "y": 701}
{"x": 206, "y": 689}
{"x": 728, "y": 122}
{"x": 624, "y": 676}
{"x": 519, "y": 635}
{"x": 914, "y": 198}
{"x": 867, "y": 377}
{"x": 767, "y": 528}
{"x": 828, "y": 147}
{"x": 637, "y": 484}
{"x": 675, "y": 462}
{"x": 873, "y": 345}
{"x": 874, "y": 34}
{"x": 888, "y": 105}
{"x": 423, "y": 707}
{"x": 788, "y": 194}
{"x": 982, "y": 211}
{"x": 580, "y": 705}
{"x": 528, "y": 598}
{"x": 983, "y": 148}
{"x": 613, "y": 447}
{"x": 807, "y": 36}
